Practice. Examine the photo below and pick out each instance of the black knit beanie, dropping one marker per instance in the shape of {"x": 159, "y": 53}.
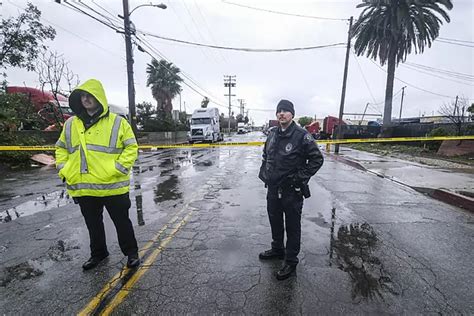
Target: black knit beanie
{"x": 286, "y": 105}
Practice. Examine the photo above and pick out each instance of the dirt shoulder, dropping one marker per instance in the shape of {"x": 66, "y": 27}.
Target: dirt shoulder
{"x": 416, "y": 154}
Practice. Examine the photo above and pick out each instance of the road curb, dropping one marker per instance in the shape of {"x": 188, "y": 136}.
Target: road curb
{"x": 349, "y": 162}
{"x": 443, "y": 195}
{"x": 449, "y": 197}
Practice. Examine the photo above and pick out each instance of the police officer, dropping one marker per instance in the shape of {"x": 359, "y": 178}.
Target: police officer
{"x": 290, "y": 158}
{"x": 94, "y": 155}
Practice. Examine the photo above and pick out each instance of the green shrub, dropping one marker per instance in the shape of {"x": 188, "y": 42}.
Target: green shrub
{"x": 437, "y": 132}
{"x": 17, "y": 158}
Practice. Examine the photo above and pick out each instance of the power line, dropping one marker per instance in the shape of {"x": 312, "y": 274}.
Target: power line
{"x": 363, "y": 76}
{"x": 193, "y": 81}
{"x": 208, "y": 29}
{"x": 196, "y": 26}
{"x": 245, "y": 49}
{"x": 449, "y": 73}
{"x": 74, "y": 34}
{"x": 437, "y": 76}
{"x": 100, "y": 14}
{"x": 183, "y": 74}
{"x": 455, "y": 43}
{"x": 91, "y": 16}
{"x": 284, "y": 13}
{"x": 455, "y": 40}
{"x": 411, "y": 85}
{"x": 112, "y": 15}
{"x": 203, "y": 52}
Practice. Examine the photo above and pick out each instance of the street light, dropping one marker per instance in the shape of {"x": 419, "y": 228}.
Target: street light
{"x": 128, "y": 51}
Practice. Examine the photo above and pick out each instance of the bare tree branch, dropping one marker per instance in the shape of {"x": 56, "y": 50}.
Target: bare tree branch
{"x": 455, "y": 111}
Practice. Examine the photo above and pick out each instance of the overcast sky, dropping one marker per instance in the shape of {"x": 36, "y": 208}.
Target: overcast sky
{"x": 311, "y": 79}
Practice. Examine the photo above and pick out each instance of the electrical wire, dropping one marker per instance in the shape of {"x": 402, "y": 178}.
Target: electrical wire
{"x": 203, "y": 52}
{"x": 413, "y": 86}
{"x": 437, "y": 76}
{"x": 363, "y": 76}
{"x": 74, "y": 34}
{"x": 201, "y": 14}
{"x": 196, "y": 27}
{"x": 449, "y": 73}
{"x": 91, "y": 16}
{"x": 114, "y": 16}
{"x": 455, "y": 40}
{"x": 245, "y": 49}
{"x": 284, "y": 13}
{"x": 211, "y": 98}
{"x": 85, "y": 5}
{"x": 454, "y": 43}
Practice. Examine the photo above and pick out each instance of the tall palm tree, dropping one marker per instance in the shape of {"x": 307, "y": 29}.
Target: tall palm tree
{"x": 392, "y": 29}
{"x": 164, "y": 79}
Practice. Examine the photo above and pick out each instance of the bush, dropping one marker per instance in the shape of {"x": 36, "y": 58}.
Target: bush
{"x": 17, "y": 158}
{"x": 437, "y": 132}
{"x": 16, "y": 111}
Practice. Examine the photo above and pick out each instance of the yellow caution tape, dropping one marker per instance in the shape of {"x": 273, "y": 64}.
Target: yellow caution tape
{"x": 233, "y": 144}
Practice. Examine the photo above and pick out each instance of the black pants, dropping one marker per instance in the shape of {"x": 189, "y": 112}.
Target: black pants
{"x": 290, "y": 204}
{"x": 117, "y": 206}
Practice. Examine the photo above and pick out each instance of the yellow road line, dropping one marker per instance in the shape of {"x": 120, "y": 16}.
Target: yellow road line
{"x": 125, "y": 290}
{"x": 236, "y": 144}
{"x": 119, "y": 275}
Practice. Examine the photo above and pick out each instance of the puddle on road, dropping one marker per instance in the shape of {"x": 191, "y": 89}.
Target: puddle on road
{"x": 167, "y": 190}
{"x": 352, "y": 251}
{"x": 42, "y": 203}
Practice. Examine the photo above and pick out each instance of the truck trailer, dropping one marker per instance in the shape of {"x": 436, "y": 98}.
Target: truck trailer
{"x": 205, "y": 126}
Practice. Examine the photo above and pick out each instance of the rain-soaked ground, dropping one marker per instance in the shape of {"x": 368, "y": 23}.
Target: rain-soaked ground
{"x": 369, "y": 245}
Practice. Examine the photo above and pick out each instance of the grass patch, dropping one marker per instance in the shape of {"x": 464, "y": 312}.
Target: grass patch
{"x": 418, "y": 150}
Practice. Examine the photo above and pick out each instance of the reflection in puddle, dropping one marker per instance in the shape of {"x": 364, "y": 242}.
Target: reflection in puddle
{"x": 44, "y": 202}
{"x": 353, "y": 248}
{"x": 167, "y": 190}
{"x": 139, "y": 204}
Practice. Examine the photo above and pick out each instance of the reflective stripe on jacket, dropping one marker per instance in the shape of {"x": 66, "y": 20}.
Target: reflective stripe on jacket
{"x": 96, "y": 161}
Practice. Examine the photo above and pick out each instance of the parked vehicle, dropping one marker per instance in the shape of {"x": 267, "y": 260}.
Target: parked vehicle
{"x": 330, "y": 124}
{"x": 241, "y": 129}
{"x": 313, "y": 128}
{"x": 45, "y": 104}
{"x": 205, "y": 126}
{"x": 270, "y": 124}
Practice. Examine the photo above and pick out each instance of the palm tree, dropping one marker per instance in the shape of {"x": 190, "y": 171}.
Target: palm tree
{"x": 164, "y": 79}
{"x": 392, "y": 29}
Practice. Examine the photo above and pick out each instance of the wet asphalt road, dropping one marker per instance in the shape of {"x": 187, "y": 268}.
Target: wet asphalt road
{"x": 369, "y": 245}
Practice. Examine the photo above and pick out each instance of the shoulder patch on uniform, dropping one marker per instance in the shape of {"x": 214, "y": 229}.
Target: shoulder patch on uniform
{"x": 308, "y": 138}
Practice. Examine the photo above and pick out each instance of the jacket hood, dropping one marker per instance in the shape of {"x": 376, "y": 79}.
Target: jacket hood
{"x": 95, "y": 88}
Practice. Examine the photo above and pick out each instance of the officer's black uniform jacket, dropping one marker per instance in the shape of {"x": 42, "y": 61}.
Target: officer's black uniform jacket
{"x": 290, "y": 157}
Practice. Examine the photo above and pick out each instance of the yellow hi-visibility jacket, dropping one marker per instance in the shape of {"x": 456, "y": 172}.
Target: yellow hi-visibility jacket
{"x": 95, "y": 161}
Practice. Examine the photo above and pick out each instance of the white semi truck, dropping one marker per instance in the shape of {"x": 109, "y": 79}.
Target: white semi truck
{"x": 205, "y": 126}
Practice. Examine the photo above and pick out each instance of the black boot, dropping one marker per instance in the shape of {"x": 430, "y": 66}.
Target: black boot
{"x": 286, "y": 271}
{"x": 133, "y": 261}
{"x": 272, "y": 254}
{"x": 94, "y": 261}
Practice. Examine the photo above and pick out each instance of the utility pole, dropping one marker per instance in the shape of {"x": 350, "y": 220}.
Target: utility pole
{"x": 401, "y": 105}
{"x": 229, "y": 81}
{"x": 242, "y": 103}
{"x": 455, "y": 106}
{"x": 344, "y": 82}
{"x": 365, "y": 110}
{"x": 129, "y": 54}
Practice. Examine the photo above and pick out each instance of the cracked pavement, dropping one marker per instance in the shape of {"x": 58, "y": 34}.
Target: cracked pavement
{"x": 369, "y": 245}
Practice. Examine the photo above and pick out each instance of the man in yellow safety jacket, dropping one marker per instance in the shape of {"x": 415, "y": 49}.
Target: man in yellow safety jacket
{"x": 94, "y": 156}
